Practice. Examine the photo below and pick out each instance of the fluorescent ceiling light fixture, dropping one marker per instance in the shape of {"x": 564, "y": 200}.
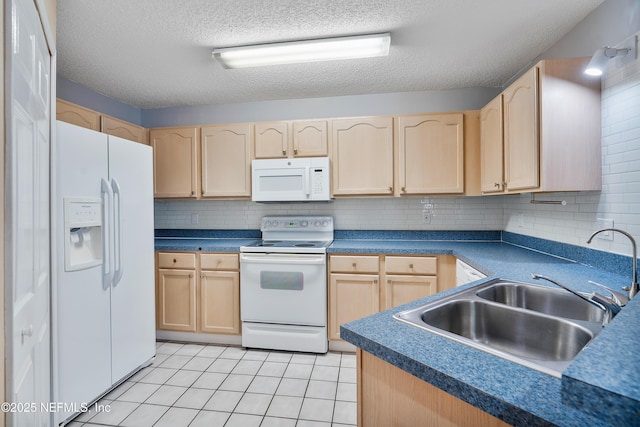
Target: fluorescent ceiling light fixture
{"x": 599, "y": 59}
{"x": 330, "y": 49}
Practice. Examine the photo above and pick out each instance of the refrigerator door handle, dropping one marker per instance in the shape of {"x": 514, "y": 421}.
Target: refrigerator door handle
{"x": 107, "y": 200}
{"x": 117, "y": 232}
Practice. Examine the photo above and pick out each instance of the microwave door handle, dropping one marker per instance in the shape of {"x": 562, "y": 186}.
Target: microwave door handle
{"x": 307, "y": 178}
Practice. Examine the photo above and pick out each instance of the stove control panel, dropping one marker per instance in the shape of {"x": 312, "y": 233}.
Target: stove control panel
{"x": 301, "y": 223}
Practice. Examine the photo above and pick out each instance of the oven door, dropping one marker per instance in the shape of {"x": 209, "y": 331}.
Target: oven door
{"x": 283, "y": 288}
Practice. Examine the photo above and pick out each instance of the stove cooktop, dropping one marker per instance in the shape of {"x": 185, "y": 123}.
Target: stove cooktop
{"x": 291, "y": 244}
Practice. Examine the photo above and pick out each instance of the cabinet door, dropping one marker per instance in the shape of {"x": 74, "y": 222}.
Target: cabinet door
{"x": 177, "y": 300}
{"x": 220, "y": 302}
{"x": 351, "y": 296}
{"x": 310, "y": 138}
{"x": 362, "y": 151}
{"x": 491, "y": 140}
{"x": 521, "y": 133}
{"x": 272, "y": 140}
{"x": 403, "y": 289}
{"x": 77, "y": 115}
{"x": 122, "y": 129}
{"x": 431, "y": 154}
{"x": 175, "y": 171}
{"x": 226, "y": 160}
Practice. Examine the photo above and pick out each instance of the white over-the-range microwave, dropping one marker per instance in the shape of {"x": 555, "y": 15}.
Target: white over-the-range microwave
{"x": 290, "y": 180}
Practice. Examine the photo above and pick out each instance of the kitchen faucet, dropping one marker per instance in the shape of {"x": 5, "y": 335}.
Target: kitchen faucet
{"x": 634, "y": 288}
{"x": 609, "y": 307}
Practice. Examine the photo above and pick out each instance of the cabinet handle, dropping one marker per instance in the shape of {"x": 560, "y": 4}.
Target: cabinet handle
{"x": 411, "y": 266}
{"x": 175, "y": 260}
{"x": 284, "y": 152}
{"x": 404, "y": 190}
{"x": 497, "y": 185}
{"x": 295, "y": 151}
{"x": 354, "y": 265}
{"x": 193, "y": 193}
{"x": 190, "y": 276}
{"x": 391, "y": 189}
{"x": 202, "y": 276}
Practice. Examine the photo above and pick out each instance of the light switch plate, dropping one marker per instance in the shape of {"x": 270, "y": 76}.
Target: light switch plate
{"x": 605, "y": 223}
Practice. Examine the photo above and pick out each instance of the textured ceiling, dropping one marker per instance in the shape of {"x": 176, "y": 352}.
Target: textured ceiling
{"x": 157, "y": 53}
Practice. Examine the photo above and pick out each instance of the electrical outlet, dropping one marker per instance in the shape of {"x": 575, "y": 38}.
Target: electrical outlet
{"x": 426, "y": 217}
{"x": 194, "y": 218}
{"x": 604, "y": 223}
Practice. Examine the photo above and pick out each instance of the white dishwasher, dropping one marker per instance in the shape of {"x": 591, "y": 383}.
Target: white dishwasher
{"x": 465, "y": 273}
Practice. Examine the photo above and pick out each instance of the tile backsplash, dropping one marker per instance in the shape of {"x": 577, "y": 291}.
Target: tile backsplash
{"x": 447, "y": 213}
{"x": 572, "y": 223}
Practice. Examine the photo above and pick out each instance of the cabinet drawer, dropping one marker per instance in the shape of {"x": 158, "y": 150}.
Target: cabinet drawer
{"x": 219, "y": 262}
{"x": 411, "y": 265}
{"x": 354, "y": 264}
{"x": 176, "y": 260}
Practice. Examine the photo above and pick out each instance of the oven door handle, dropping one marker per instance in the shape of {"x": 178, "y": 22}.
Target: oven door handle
{"x": 291, "y": 259}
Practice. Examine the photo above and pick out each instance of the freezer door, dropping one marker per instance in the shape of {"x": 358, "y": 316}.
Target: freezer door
{"x": 133, "y": 290}
{"x": 81, "y": 306}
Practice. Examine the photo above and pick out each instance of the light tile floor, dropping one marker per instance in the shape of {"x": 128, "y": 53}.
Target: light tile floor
{"x": 211, "y": 385}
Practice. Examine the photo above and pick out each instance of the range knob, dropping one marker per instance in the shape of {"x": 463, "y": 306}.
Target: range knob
{"x": 317, "y": 223}
{"x": 304, "y": 223}
{"x": 325, "y": 223}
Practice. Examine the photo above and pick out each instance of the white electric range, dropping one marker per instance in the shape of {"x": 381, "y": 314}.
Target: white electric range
{"x": 283, "y": 284}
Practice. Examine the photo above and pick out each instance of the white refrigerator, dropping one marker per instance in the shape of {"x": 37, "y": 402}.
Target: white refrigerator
{"x": 104, "y": 288}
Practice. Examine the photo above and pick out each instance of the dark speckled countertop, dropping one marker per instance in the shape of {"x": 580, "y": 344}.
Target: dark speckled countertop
{"x": 601, "y": 386}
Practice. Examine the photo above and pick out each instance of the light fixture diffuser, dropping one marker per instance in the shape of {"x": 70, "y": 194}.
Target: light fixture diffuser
{"x": 329, "y": 49}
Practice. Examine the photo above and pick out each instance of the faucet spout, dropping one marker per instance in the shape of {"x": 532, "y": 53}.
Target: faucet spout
{"x": 634, "y": 289}
{"x": 609, "y": 307}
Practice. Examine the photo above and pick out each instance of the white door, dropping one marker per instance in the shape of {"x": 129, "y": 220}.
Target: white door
{"x": 28, "y": 266}
{"x": 133, "y": 289}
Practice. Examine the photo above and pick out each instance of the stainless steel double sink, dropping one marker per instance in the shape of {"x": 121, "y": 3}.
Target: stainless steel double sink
{"x": 537, "y": 326}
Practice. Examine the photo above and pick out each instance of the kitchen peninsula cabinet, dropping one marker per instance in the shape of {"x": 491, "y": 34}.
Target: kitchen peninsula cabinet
{"x": 387, "y": 395}
{"x": 226, "y": 160}
{"x": 176, "y": 291}
{"x": 175, "y": 162}
{"x": 430, "y": 157}
{"x": 302, "y": 138}
{"x": 362, "y": 156}
{"x": 198, "y": 292}
{"x": 550, "y": 131}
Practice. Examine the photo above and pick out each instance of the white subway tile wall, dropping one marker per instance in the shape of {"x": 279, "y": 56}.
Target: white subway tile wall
{"x": 448, "y": 213}
{"x": 619, "y": 199}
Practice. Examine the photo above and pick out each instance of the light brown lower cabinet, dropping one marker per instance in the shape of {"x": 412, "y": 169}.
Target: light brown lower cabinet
{"x": 205, "y": 298}
{"x": 361, "y": 285}
{"x": 389, "y": 396}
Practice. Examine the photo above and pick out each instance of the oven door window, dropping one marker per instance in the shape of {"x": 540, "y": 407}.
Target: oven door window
{"x": 282, "y": 280}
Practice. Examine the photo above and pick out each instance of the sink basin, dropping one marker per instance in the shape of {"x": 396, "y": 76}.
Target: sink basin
{"x": 555, "y": 302}
{"x": 513, "y": 320}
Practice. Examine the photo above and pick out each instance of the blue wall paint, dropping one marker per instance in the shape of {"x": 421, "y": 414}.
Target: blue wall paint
{"x": 78, "y": 94}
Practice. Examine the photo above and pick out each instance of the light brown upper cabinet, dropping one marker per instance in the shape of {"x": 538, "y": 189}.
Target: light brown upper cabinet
{"x": 122, "y": 129}
{"x": 551, "y": 131}
{"x": 362, "y": 156}
{"x": 310, "y": 138}
{"x": 226, "y": 160}
{"x": 303, "y": 138}
{"x": 77, "y": 115}
{"x": 491, "y": 135}
{"x": 175, "y": 164}
{"x": 272, "y": 140}
{"x": 430, "y": 156}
